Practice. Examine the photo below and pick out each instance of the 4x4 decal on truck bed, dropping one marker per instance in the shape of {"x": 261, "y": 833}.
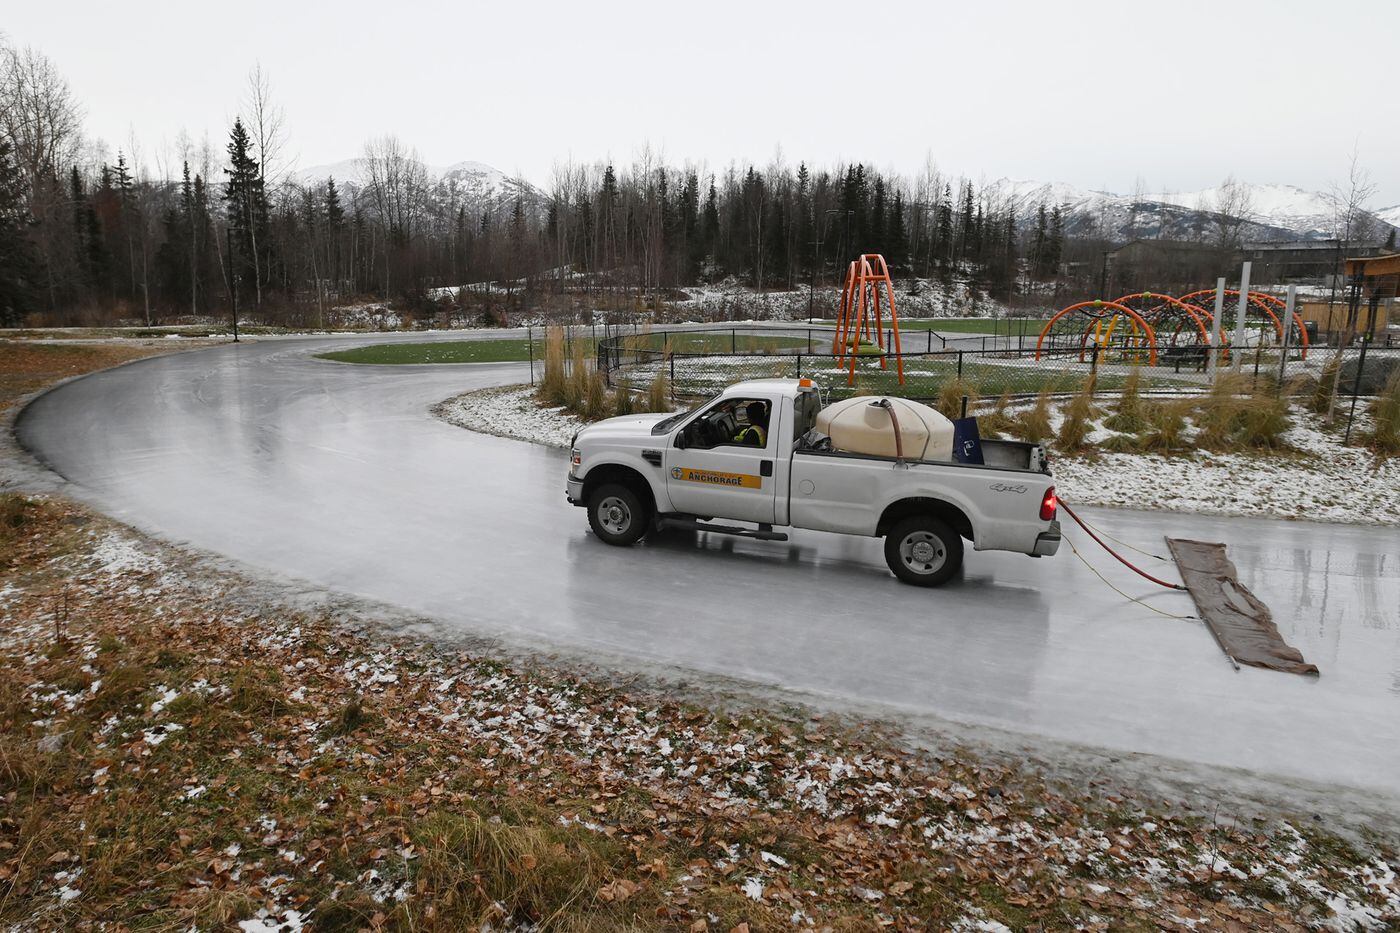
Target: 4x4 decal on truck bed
{"x": 714, "y": 478}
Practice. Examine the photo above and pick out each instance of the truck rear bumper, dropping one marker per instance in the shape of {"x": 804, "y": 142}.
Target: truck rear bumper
{"x": 573, "y": 491}
{"x": 1047, "y": 542}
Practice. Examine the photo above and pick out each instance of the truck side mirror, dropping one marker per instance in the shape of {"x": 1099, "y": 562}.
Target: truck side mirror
{"x": 681, "y": 442}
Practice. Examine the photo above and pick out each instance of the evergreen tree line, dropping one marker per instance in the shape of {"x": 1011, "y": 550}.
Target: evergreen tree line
{"x": 91, "y": 240}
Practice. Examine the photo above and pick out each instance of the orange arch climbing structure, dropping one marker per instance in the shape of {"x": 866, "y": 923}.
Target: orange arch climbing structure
{"x": 1265, "y": 304}
{"x": 1102, "y": 317}
{"x": 867, "y": 292}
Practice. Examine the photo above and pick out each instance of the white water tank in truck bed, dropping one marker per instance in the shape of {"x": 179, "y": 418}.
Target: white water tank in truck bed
{"x": 859, "y": 426}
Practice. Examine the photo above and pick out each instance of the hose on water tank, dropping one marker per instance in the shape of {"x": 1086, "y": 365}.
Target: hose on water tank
{"x": 894, "y": 420}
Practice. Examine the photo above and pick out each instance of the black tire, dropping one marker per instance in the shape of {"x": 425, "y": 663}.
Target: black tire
{"x": 617, "y": 515}
{"x": 923, "y": 551}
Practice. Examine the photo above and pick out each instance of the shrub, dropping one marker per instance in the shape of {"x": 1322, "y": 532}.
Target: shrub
{"x": 1219, "y": 413}
{"x": 1079, "y": 417}
{"x": 576, "y": 390}
{"x": 623, "y": 403}
{"x": 950, "y": 396}
{"x": 552, "y": 382}
{"x": 1122, "y": 444}
{"x": 1166, "y": 426}
{"x": 1033, "y": 425}
{"x": 1127, "y": 414}
{"x": 1385, "y": 411}
{"x": 997, "y": 422}
{"x": 595, "y": 403}
{"x": 1262, "y": 421}
{"x": 1326, "y": 388}
{"x": 659, "y": 393}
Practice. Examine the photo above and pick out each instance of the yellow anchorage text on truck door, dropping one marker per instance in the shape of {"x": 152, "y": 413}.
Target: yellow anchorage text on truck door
{"x": 714, "y": 478}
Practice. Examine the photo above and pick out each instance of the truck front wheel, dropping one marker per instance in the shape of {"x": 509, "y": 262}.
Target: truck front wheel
{"x": 923, "y": 551}
{"x": 617, "y": 515}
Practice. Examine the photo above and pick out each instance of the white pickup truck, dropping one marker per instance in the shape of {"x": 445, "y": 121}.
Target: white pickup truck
{"x": 637, "y": 473}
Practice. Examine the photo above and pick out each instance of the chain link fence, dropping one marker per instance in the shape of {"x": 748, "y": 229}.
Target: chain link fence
{"x": 700, "y": 362}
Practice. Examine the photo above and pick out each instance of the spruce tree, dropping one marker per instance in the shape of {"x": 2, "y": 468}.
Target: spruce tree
{"x": 943, "y": 229}
{"x": 1055, "y": 241}
{"x": 79, "y": 206}
{"x": 18, "y": 265}
{"x": 246, "y": 202}
{"x": 896, "y": 236}
{"x": 710, "y": 225}
{"x": 1042, "y": 230}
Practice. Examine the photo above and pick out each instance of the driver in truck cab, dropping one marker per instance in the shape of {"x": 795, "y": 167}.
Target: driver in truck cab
{"x": 755, "y": 433}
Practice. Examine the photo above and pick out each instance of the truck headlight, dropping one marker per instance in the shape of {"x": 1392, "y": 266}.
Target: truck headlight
{"x": 575, "y": 457}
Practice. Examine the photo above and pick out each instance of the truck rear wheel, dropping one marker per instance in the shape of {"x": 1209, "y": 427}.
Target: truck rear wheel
{"x": 617, "y": 515}
{"x": 924, "y": 551}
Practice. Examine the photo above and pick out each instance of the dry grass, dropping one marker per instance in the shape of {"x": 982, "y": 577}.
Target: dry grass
{"x": 623, "y": 402}
{"x": 553, "y": 381}
{"x": 391, "y": 802}
{"x": 659, "y": 393}
{"x": 1217, "y": 415}
{"x": 1166, "y": 425}
{"x": 1079, "y": 416}
{"x": 595, "y": 403}
{"x": 1033, "y": 424}
{"x": 950, "y": 397}
{"x": 1385, "y": 414}
{"x": 523, "y": 868}
{"x": 1236, "y": 414}
{"x": 1127, "y": 412}
{"x": 27, "y": 367}
{"x": 576, "y": 388}
{"x": 1325, "y": 389}
{"x": 997, "y": 422}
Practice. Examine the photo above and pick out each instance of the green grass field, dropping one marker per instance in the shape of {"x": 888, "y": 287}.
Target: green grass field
{"x": 455, "y": 351}
{"x": 976, "y": 325}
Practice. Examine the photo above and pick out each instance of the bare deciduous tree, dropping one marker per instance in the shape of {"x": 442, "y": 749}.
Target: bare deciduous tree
{"x": 266, "y": 123}
{"x": 1351, "y": 223}
{"x": 38, "y": 113}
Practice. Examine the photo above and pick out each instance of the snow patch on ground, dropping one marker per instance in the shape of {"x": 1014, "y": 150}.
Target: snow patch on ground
{"x": 115, "y": 555}
{"x": 510, "y": 412}
{"x": 1319, "y": 480}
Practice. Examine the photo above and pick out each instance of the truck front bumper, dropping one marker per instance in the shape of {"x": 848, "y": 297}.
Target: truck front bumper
{"x": 1047, "y": 542}
{"x": 573, "y": 491}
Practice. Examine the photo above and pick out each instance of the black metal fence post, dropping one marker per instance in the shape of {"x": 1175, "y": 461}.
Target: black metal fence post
{"x": 530, "y": 350}
{"x": 1356, "y": 386}
{"x": 799, "y": 366}
{"x": 960, "y": 355}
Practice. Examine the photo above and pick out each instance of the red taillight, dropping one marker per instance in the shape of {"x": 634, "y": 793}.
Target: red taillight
{"x": 1048, "y": 505}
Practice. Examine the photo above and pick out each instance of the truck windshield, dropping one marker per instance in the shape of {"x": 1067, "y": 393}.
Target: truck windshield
{"x": 666, "y": 424}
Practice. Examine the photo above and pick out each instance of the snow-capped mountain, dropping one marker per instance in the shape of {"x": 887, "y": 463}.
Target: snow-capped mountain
{"x": 1269, "y": 212}
{"x": 474, "y": 185}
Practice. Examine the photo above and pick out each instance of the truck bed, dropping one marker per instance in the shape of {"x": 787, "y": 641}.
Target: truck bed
{"x": 848, "y": 492}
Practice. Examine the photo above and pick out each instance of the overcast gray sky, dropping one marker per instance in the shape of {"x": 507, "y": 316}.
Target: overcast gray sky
{"x": 1179, "y": 94}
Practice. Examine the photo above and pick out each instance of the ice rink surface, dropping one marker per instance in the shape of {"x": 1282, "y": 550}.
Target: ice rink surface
{"x": 337, "y": 474}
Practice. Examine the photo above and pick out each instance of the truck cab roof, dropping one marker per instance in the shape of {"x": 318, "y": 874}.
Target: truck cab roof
{"x": 785, "y": 387}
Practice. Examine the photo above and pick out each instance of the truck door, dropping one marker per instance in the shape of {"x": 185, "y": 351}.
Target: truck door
{"x": 722, "y": 463}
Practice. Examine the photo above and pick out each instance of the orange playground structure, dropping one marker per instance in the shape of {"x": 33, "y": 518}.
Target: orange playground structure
{"x": 859, "y": 323}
